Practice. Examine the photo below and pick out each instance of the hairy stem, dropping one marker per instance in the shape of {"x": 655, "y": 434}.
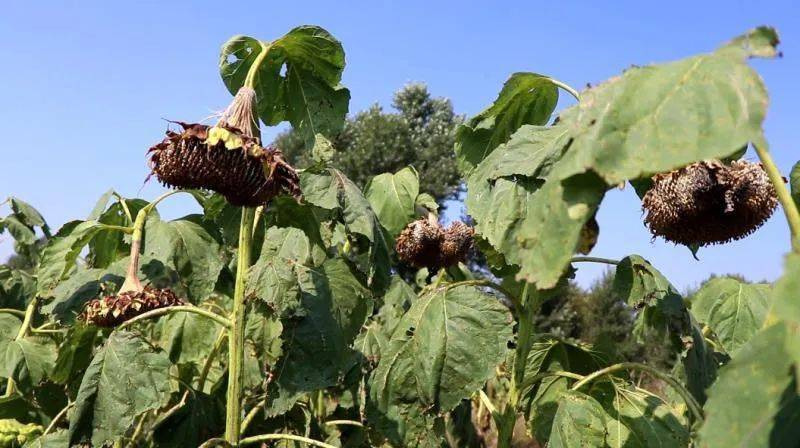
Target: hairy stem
{"x": 265, "y": 437}
{"x": 177, "y": 309}
{"x": 344, "y": 423}
{"x": 785, "y": 198}
{"x": 233, "y": 417}
{"x": 56, "y": 419}
{"x": 691, "y": 403}
{"x": 18, "y": 313}
{"x": 24, "y": 329}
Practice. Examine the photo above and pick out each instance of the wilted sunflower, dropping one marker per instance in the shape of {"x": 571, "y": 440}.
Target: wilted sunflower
{"x": 113, "y": 310}
{"x": 226, "y": 158}
{"x": 709, "y": 202}
{"x": 424, "y": 243}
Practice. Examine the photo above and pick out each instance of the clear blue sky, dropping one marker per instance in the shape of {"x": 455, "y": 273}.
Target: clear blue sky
{"x": 85, "y": 85}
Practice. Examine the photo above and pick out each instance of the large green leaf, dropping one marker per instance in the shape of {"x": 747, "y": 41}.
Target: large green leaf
{"x": 755, "y": 402}
{"x": 126, "y": 378}
{"x": 733, "y": 309}
{"x": 189, "y": 248}
{"x": 109, "y": 245}
{"x": 273, "y": 277}
{"x": 198, "y": 420}
{"x": 393, "y": 198}
{"x": 27, "y": 360}
{"x": 307, "y": 92}
{"x": 74, "y": 354}
{"x": 661, "y": 311}
{"x": 21, "y": 233}
{"x": 17, "y": 288}
{"x": 59, "y": 256}
{"x": 615, "y": 134}
{"x": 579, "y": 421}
{"x": 443, "y": 349}
{"x": 526, "y": 98}
{"x": 317, "y": 347}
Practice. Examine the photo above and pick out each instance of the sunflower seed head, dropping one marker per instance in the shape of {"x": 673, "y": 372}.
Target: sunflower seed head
{"x": 709, "y": 202}
{"x": 426, "y": 244}
{"x": 113, "y": 310}
{"x": 247, "y": 175}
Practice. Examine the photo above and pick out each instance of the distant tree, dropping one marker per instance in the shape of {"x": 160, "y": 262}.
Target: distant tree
{"x": 421, "y": 134}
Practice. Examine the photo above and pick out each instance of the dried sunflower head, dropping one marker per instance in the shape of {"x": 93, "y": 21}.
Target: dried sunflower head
{"x": 424, "y": 243}
{"x": 225, "y": 160}
{"x": 456, "y": 244}
{"x": 113, "y": 310}
{"x": 709, "y": 202}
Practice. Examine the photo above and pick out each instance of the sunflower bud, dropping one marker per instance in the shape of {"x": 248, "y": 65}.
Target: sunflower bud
{"x": 111, "y": 311}
{"x": 709, "y": 202}
{"x": 424, "y": 243}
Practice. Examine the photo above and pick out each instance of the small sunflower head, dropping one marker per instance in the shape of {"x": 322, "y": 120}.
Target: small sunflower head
{"x": 424, "y": 243}
{"x": 113, "y": 310}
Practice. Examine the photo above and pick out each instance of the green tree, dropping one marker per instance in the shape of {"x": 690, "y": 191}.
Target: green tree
{"x": 421, "y": 133}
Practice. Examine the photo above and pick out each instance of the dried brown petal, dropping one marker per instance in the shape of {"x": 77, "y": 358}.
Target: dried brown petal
{"x": 247, "y": 175}
{"x": 111, "y": 311}
{"x": 425, "y": 244}
{"x": 709, "y": 202}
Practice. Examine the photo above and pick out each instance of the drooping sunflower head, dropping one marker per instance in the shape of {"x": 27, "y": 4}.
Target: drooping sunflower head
{"x": 110, "y": 311}
{"x": 709, "y": 202}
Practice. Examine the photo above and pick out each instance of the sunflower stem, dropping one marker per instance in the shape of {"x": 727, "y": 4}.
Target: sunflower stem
{"x": 785, "y": 198}
{"x": 233, "y": 417}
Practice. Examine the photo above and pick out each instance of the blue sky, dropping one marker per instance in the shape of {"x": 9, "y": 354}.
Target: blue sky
{"x": 85, "y": 85}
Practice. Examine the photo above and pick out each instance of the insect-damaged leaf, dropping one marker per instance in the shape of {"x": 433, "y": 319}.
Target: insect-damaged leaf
{"x": 443, "y": 349}
{"x": 733, "y": 309}
{"x": 579, "y": 421}
{"x": 317, "y": 346}
{"x": 393, "y": 198}
{"x": 526, "y": 98}
{"x": 125, "y": 378}
{"x": 273, "y": 277}
{"x": 615, "y": 134}
{"x": 296, "y": 79}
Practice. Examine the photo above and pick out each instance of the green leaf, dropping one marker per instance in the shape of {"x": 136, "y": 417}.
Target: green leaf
{"x": 187, "y": 337}
{"x": 189, "y": 248}
{"x": 427, "y": 202}
{"x": 308, "y": 95}
{"x": 579, "y": 421}
{"x": 407, "y": 425}
{"x": 639, "y": 419}
{"x": 317, "y": 346}
{"x": 56, "y": 439}
{"x": 526, "y": 98}
{"x": 622, "y": 134}
{"x": 28, "y": 215}
{"x": 322, "y": 153}
{"x": 17, "y": 288}
{"x": 733, "y": 309}
{"x": 21, "y": 233}
{"x": 198, "y": 420}
{"x": 794, "y": 183}
{"x": 661, "y": 311}
{"x": 443, "y": 349}
{"x": 393, "y": 198}
{"x": 332, "y": 190}
{"x": 125, "y": 379}
{"x": 755, "y": 403}
{"x": 273, "y": 277}
{"x": 74, "y": 354}
{"x": 58, "y": 257}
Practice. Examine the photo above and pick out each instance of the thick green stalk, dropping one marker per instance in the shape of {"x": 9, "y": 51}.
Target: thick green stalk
{"x": 526, "y": 313}
{"x": 233, "y": 417}
{"x": 785, "y": 198}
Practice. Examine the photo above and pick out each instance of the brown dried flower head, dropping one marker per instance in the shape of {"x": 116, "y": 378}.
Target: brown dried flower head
{"x": 709, "y": 202}
{"x": 424, "y": 243}
{"x": 225, "y": 160}
{"x": 111, "y": 311}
